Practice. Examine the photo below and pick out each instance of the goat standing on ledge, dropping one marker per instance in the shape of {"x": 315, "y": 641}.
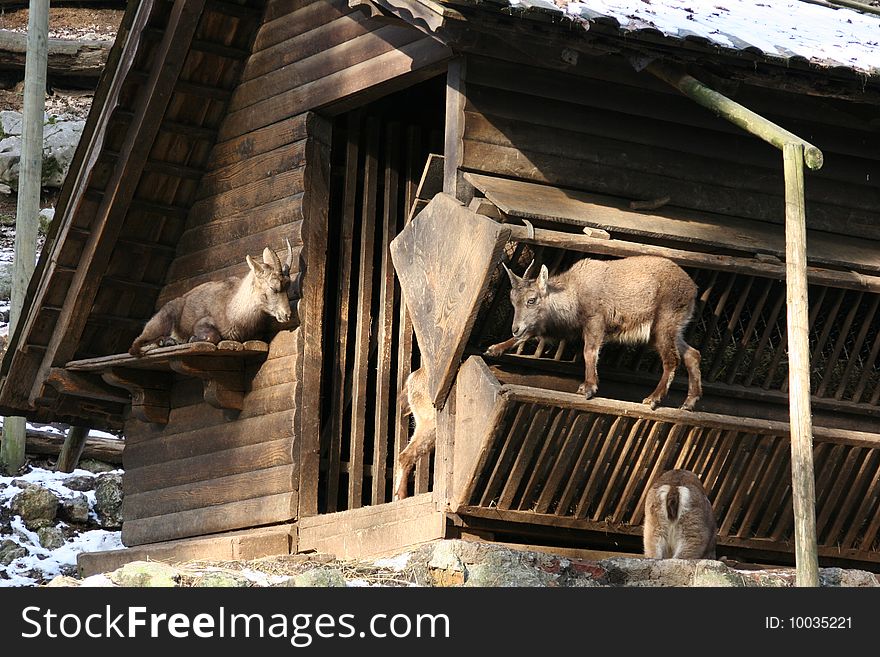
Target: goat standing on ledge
{"x": 232, "y": 309}
{"x": 632, "y": 300}
{"x": 679, "y": 521}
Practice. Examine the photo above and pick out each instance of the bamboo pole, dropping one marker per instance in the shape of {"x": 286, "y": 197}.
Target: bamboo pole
{"x": 28, "y": 204}
{"x": 796, "y": 152}
{"x": 802, "y": 471}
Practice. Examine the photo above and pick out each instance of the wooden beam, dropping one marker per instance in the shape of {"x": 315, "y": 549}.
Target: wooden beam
{"x": 84, "y": 385}
{"x": 108, "y": 450}
{"x": 72, "y": 449}
{"x": 107, "y": 224}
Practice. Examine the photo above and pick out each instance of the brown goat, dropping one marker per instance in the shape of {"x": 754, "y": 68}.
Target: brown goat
{"x": 679, "y": 521}
{"x": 632, "y": 300}
{"x": 414, "y": 397}
{"x": 231, "y": 309}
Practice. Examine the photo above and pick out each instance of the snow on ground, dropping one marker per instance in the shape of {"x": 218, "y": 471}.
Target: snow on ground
{"x": 41, "y": 564}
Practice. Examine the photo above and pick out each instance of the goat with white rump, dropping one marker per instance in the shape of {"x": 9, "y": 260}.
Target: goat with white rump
{"x": 679, "y": 521}
{"x": 631, "y": 300}
{"x": 416, "y": 401}
{"x": 231, "y": 309}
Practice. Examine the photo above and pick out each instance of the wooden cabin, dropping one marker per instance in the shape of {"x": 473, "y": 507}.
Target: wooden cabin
{"x": 406, "y": 148}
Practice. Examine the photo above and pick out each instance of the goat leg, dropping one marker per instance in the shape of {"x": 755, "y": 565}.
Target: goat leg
{"x": 501, "y": 347}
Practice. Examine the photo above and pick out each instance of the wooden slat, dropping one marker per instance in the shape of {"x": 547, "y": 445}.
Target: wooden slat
{"x": 222, "y": 490}
{"x": 575, "y": 436}
{"x": 220, "y": 518}
{"x": 424, "y": 55}
{"x": 385, "y": 319}
{"x": 311, "y": 312}
{"x": 506, "y": 455}
{"x": 339, "y": 401}
{"x": 362, "y": 329}
{"x": 524, "y": 456}
{"x": 257, "y": 142}
{"x": 549, "y": 446}
{"x": 252, "y": 169}
{"x": 284, "y": 20}
{"x": 205, "y": 467}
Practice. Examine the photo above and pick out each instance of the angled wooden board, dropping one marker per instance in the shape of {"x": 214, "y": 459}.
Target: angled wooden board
{"x": 444, "y": 259}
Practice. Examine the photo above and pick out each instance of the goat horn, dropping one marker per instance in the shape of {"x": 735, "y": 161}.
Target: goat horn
{"x": 514, "y": 279}
{"x": 528, "y": 269}
{"x": 289, "y": 262}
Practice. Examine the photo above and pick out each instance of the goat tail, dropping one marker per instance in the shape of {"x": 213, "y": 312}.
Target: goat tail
{"x": 672, "y": 503}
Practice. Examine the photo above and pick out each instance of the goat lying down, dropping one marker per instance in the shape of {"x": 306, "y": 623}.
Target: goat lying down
{"x": 631, "y": 300}
{"x": 418, "y": 403}
{"x": 231, "y": 309}
{"x": 679, "y": 521}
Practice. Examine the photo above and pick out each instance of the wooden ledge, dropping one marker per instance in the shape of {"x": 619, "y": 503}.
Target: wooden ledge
{"x": 147, "y": 379}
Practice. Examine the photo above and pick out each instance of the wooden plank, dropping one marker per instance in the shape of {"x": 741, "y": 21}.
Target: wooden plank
{"x": 384, "y": 399}
{"x": 453, "y": 150}
{"x": 478, "y": 411}
{"x": 339, "y": 400}
{"x": 287, "y": 131}
{"x": 222, "y": 490}
{"x": 285, "y": 20}
{"x": 422, "y": 54}
{"x": 149, "y": 111}
{"x": 232, "y": 546}
{"x": 252, "y": 169}
{"x": 443, "y": 277}
{"x": 166, "y": 448}
{"x": 389, "y": 529}
{"x": 220, "y": 518}
{"x": 334, "y": 57}
{"x": 212, "y": 465}
{"x": 547, "y": 454}
{"x": 311, "y": 314}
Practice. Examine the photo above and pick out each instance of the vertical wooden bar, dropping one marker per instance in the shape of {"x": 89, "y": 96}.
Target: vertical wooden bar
{"x": 316, "y": 201}
{"x": 385, "y": 320}
{"x": 454, "y": 183}
{"x": 12, "y": 447}
{"x": 405, "y": 330}
{"x": 867, "y": 322}
{"x": 339, "y": 402}
{"x": 360, "y": 369}
{"x": 802, "y": 474}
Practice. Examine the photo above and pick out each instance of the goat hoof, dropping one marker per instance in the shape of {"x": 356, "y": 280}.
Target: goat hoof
{"x": 587, "y": 391}
{"x": 651, "y": 402}
{"x": 689, "y": 404}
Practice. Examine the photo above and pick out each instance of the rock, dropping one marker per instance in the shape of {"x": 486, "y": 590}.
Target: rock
{"x": 317, "y": 577}
{"x": 75, "y": 509}
{"x": 108, "y": 500}
{"x": 61, "y": 581}
{"x": 36, "y": 506}
{"x": 95, "y": 466}
{"x": 221, "y": 579}
{"x": 23, "y": 483}
{"x": 60, "y": 138}
{"x": 51, "y": 538}
{"x": 80, "y": 483}
{"x": 445, "y": 568}
{"x": 10, "y": 551}
{"x": 145, "y": 573}
{"x": 841, "y": 577}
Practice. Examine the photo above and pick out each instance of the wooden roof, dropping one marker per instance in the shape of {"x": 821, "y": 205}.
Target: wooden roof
{"x": 124, "y": 204}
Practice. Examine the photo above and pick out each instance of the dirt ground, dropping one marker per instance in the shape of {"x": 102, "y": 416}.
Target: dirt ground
{"x": 69, "y": 22}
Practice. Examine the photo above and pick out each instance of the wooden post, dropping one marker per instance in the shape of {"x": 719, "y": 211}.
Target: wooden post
{"x": 72, "y": 449}
{"x": 802, "y": 473}
{"x": 795, "y": 152}
{"x": 28, "y": 207}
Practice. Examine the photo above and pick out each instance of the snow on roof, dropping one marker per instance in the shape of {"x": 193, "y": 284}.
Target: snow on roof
{"x": 822, "y": 35}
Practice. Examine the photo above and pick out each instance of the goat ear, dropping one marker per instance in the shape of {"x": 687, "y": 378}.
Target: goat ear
{"x": 251, "y": 264}
{"x": 271, "y": 259}
{"x": 543, "y": 277}
{"x": 514, "y": 279}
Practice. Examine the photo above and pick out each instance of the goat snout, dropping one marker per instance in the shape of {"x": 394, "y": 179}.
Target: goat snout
{"x": 519, "y": 331}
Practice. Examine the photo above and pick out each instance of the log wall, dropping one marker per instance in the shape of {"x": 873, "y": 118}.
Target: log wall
{"x": 611, "y": 130}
